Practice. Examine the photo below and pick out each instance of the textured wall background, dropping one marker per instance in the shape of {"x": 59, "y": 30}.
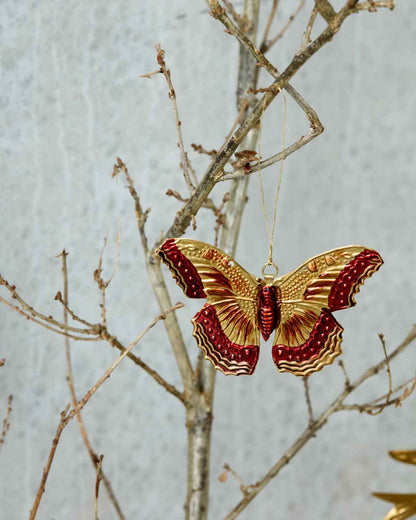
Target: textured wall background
{"x": 71, "y": 101}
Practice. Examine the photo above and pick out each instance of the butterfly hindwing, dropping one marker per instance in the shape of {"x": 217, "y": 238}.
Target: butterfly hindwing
{"x": 308, "y": 336}
{"x": 225, "y": 328}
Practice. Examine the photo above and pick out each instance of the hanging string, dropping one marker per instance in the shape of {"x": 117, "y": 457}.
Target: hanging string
{"x": 272, "y": 230}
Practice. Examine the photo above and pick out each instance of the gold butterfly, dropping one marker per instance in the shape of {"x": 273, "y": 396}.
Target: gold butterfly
{"x": 297, "y": 305}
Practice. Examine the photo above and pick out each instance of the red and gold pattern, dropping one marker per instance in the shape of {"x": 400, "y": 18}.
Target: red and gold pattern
{"x": 298, "y": 305}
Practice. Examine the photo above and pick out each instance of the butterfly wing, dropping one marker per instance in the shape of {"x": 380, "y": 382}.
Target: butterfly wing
{"x": 226, "y": 327}
{"x": 308, "y": 336}
{"x": 405, "y": 505}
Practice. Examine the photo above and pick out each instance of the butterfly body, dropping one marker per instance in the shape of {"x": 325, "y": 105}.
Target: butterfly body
{"x": 268, "y": 316}
{"x": 298, "y": 305}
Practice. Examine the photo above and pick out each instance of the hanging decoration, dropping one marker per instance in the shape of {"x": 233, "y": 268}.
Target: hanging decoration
{"x": 297, "y": 306}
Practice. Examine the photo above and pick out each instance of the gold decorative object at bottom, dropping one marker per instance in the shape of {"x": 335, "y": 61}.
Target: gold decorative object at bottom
{"x": 404, "y": 503}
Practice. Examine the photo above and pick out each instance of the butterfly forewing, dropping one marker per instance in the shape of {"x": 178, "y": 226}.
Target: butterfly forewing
{"x": 226, "y": 327}
{"x": 308, "y": 336}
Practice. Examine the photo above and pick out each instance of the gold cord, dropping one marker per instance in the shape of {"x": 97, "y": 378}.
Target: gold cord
{"x": 272, "y": 230}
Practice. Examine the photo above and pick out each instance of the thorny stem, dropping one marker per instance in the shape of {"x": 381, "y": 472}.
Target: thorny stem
{"x": 311, "y": 430}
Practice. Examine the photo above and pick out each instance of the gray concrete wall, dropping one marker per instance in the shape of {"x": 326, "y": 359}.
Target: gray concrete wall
{"x": 71, "y": 101}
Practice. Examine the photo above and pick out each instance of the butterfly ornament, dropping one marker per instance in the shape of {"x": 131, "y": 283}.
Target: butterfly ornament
{"x": 297, "y": 306}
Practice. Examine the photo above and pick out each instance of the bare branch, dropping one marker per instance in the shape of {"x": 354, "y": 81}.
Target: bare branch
{"x": 269, "y": 23}
{"x": 66, "y": 416}
{"x": 47, "y": 468}
{"x": 242, "y": 21}
{"x": 373, "y": 6}
{"x": 308, "y": 400}
{"x": 58, "y": 297}
{"x": 6, "y": 421}
{"x": 38, "y": 317}
{"x": 159, "y": 288}
{"x": 103, "y": 284}
{"x": 208, "y": 203}
{"x": 125, "y": 353}
{"x": 347, "y": 383}
{"x": 150, "y": 74}
{"x": 268, "y": 44}
{"x": 255, "y": 166}
{"x": 114, "y": 342}
{"x": 97, "y": 484}
{"x": 184, "y": 216}
{"x": 70, "y": 379}
{"x": 200, "y": 149}
{"x": 310, "y": 432}
{"x": 375, "y": 407}
{"x": 383, "y": 344}
{"x": 46, "y": 326}
{"x": 172, "y": 94}
{"x": 325, "y": 9}
{"x": 221, "y": 218}
{"x": 307, "y": 34}
{"x": 141, "y": 216}
{"x": 243, "y": 488}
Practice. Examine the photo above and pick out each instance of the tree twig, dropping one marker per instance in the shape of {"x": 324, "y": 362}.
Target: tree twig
{"x": 47, "y": 468}
{"x": 103, "y": 284}
{"x": 373, "y": 6}
{"x": 308, "y": 400}
{"x": 33, "y": 315}
{"x": 172, "y": 95}
{"x": 6, "y": 421}
{"x": 46, "y": 326}
{"x": 307, "y": 34}
{"x": 160, "y": 290}
{"x": 99, "y": 476}
{"x": 141, "y": 216}
{"x": 114, "y": 342}
{"x": 66, "y": 416}
{"x": 375, "y": 407}
{"x": 242, "y": 21}
{"x": 75, "y": 317}
{"x": 255, "y": 166}
{"x": 200, "y": 149}
{"x": 184, "y": 216}
{"x": 269, "y": 23}
{"x": 268, "y": 44}
{"x": 347, "y": 383}
{"x": 243, "y": 488}
{"x": 70, "y": 380}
